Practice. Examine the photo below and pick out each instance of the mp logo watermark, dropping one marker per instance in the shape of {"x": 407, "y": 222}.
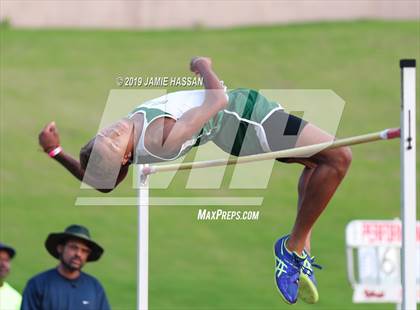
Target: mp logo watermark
{"x": 242, "y": 135}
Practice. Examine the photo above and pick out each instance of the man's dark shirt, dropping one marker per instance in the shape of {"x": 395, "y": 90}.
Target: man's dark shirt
{"x": 49, "y": 290}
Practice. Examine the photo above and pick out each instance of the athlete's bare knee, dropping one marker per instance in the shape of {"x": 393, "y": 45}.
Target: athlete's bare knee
{"x": 340, "y": 159}
{"x": 347, "y": 155}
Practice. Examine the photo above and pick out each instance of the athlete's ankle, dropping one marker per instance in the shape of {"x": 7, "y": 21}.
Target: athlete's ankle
{"x": 295, "y": 247}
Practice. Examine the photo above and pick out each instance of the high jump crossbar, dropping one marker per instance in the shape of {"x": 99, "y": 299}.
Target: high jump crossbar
{"x": 407, "y": 133}
{"x": 303, "y": 151}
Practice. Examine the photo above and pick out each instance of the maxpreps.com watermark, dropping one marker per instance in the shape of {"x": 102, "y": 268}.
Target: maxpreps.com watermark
{"x": 159, "y": 81}
{"x": 220, "y": 214}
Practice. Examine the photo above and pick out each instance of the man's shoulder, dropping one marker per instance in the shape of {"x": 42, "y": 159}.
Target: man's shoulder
{"x": 91, "y": 280}
{"x": 88, "y": 277}
{"x": 10, "y": 298}
{"x": 10, "y": 290}
{"x": 44, "y": 276}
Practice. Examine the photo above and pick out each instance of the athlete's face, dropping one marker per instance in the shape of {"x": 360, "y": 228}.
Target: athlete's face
{"x": 105, "y": 158}
{"x": 73, "y": 254}
{"x": 4, "y": 265}
{"x": 113, "y": 141}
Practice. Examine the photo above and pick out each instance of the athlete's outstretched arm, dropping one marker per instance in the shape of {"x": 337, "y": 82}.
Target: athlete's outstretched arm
{"x": 49, "y": 139}
{"x": 193, "y": 120}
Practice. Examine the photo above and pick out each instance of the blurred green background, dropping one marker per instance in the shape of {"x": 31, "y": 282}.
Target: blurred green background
{"x": 66, "y": 75}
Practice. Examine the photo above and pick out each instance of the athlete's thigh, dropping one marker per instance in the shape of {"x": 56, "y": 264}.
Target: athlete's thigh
{"x": 282, "y": 130}
{"x": 312, "y": 134}
{"x": 285, "y": 131}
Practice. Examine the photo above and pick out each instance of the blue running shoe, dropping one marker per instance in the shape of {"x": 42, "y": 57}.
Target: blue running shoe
{"x": 287, "y": 271}
{"x": 308, "y": 291}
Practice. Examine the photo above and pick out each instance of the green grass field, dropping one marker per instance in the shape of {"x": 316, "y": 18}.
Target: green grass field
{"x": 66, "y": 75}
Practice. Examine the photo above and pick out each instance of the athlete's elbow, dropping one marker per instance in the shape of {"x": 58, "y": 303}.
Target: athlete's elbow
{"x": 221, "y": 99}
{"x": 223, "y": 102}
{"x": 165, "y": 148}
{"x": 218, "y": 98}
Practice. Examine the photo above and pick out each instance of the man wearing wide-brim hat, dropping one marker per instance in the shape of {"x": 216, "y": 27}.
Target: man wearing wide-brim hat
{"x": 66, "y": 287}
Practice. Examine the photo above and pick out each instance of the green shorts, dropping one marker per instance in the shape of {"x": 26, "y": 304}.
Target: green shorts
{"x": 252, "y": 124}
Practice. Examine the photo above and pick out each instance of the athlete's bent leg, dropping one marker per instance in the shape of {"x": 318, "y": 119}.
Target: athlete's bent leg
{"x": 317, "y": 185}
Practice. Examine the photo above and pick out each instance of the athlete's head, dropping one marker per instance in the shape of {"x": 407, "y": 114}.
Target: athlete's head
{"x": 104, "y": 156}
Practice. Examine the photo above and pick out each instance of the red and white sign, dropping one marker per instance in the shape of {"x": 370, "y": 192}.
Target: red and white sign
{"x": 375, "y": 233}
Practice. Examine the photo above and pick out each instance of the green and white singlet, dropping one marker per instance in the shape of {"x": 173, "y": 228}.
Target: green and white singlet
{"x": 237, "y": 129}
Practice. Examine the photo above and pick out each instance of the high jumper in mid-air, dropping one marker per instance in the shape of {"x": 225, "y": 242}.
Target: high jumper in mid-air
{"x": 240, "y": 122}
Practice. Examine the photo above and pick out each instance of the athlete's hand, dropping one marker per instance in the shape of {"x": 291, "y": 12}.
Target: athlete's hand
{"x": 49, "y": 138}
{"x": 200, "y": 63}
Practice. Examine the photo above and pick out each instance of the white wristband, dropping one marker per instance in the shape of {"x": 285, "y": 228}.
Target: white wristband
{"x": 55, "y": 151}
